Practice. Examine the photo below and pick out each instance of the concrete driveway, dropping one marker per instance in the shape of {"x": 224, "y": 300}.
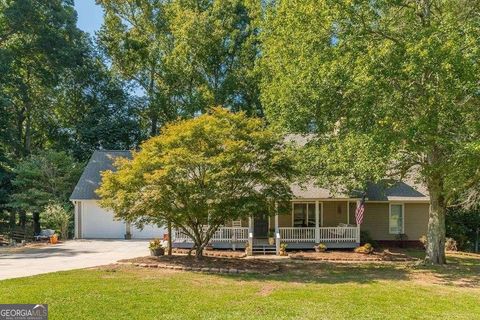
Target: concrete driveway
{"x": 74, "y": 254}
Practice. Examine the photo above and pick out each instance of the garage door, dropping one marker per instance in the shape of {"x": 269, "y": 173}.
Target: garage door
{"x": 99, "y": 223}
{"x": 148, "y": 232}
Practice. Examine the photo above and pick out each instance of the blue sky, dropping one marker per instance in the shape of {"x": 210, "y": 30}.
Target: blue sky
{"x": 90, "y": 15}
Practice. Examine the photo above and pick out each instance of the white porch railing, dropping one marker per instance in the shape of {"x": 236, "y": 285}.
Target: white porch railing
{"x": 180, "y": 236}
{"x": 338, "y": 234}
{"x": 294, "y": 234}
{"x": 223, "y": 234}
{"x": 325, "y": 234}
{"x": 287, "y": 234}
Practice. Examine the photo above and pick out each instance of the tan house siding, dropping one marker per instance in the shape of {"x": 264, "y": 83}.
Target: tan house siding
{"x": 376, "y": 220}
{"x": 284, "y": 220}
{"x": 416, "y": 220}
{"x": 334, "y": 212}
{"x": 353, "y": 207}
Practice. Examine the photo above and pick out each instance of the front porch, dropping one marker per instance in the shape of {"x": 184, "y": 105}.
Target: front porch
{"x": 301, "y": 227}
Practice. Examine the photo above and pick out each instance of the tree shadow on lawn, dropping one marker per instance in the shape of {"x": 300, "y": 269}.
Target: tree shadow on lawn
{"x": 459, "y": 272}
{"x": 35, "y": 253}
{"x": 332, "y": 273}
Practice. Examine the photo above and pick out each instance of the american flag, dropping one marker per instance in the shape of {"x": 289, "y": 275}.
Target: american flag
{"x": 359, "y": 212}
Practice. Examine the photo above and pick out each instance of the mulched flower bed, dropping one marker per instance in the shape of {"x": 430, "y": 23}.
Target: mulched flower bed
{"x": 205, "y": 264}
{"x": 214, "y": 253}
{"x": 351, "y": 256}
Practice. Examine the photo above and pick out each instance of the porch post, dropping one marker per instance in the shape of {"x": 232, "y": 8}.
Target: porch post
{"x": 321, "y": 216}
{"x": 277, "y": 231}
{"x": 358, "y": 234}
{"x": 317, "y": 222}
{"x": 348, "y": 211}
{"x": 250, "y": 236}
{"x": 358, "y": 226}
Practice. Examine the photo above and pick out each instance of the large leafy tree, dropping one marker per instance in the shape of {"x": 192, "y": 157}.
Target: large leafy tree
{"x": 37, "y": 42}
{"x": 93, "y": 110}
{"x": 200, "y": 173}
{"x": 56, "y": 92}
{"x": 184, "y": 55}
{"x": 394, "y": 84}
{"x": 40, "y": 179}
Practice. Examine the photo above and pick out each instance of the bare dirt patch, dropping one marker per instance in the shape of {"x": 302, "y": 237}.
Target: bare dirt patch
{"x": 266, "y": 290}
{"x": 385, "y": 255}
{"x": 215, "y": 263}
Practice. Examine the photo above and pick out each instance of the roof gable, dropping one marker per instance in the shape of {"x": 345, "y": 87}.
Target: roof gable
{"x": 101, "y": 160}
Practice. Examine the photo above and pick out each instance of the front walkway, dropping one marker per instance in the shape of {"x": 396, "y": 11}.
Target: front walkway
{"x": 75, "y": 254}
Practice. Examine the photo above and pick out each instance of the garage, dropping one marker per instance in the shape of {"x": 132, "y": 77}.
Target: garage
{"x": 98, "y": 223}
{"x": 148, "y": 232}
{"x": 91, "y": 220}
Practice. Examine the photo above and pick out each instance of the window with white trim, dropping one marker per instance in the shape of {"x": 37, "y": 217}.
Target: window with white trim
{"x": 396, "y": 218}
{"x": 304, "y": 214}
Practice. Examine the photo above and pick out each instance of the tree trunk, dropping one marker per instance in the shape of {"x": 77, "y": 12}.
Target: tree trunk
{"x": 23, "y": 219}
{"x": 154, "y": 123}
{"x": 152, "y": 101}
{"x": 436, "y": 226}
{"x": 199, "y": 251}
{"x": 28, "y": 133}
{"x": 36, "y": 222}
{"x": 12, "y": 219}
{"x": 169, "y": 226}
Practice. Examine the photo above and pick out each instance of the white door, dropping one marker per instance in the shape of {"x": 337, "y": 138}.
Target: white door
{"x": 97, "y": 222}
{"x": 148, "y": 232}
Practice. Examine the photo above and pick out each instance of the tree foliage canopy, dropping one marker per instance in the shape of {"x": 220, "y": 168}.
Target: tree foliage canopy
{"x": 37, "y": 43}
{"x": 48, "y": 176}
{"x": 397, "y": 81}
{"x": 200, "y": 173}
{"x": 185, "y": 55}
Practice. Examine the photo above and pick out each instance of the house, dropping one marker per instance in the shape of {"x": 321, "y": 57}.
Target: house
{"x": 314, "y": 215}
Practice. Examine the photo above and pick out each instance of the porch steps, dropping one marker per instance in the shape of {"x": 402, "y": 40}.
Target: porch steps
{"x": 264, "y": 249}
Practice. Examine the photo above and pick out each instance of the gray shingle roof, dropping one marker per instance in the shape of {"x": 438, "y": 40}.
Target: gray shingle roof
{"x": 407, "y": 190}
{"x": 399, "y": 191}
{"x": 89, "y": 181}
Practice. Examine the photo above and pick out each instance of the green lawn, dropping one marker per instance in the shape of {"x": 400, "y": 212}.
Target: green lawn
{"x": 299, "y": 291}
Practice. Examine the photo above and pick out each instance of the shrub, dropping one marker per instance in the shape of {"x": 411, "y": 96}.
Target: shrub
{"x": 365, "y": 249}
{"x": 57, "y": 217}
{"x": 365, "y": 237}
{"x": 423, "y": 240}
{"x": 247, "y": 248}
{"x": 155, "y": 244}
{"x": 320, "y": 247}
{"x": 450, "y": 244}
{"x": 462, "y": 226}
{"x": 283, "y": 249}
